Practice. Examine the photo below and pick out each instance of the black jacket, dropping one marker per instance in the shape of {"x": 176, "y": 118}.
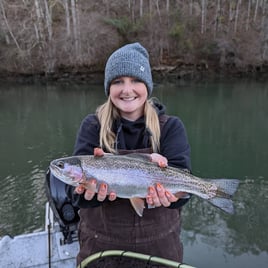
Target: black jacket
{"x": 132, "y": 136}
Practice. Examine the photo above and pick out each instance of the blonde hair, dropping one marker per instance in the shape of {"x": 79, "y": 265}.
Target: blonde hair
{"x": 107, "y": 113}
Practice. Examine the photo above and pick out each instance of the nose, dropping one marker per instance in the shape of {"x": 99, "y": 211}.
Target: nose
{"x": 128, "y": 86}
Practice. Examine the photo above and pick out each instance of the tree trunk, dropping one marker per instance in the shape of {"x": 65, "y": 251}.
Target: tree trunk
{"x": 141, "y": 8}
{"x": 203, "y": 16}
{"x": 256, "y": 10}
{"x": 75, "y": 29}
{"x": 67, "y": 18}
{"x": 191, "y": 8}
{"x": 237, "y": 15}
{"x": 8, "y": 26}
{"x": 50, "y": 62}
{"x": 216, "y": 25}
{"x": 248, "y": 15}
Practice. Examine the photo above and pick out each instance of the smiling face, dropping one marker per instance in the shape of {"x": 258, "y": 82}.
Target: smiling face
{"x": 129, "y": 95}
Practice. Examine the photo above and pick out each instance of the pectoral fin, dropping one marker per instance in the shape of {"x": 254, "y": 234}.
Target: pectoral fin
{"x": 138, "y": 205}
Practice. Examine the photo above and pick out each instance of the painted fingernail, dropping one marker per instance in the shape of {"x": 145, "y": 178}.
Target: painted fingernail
{"x": 159, "y": 187}
{"x": 103, "y": 186}
{"x": 151, "y": 190}
{"x": 168, "y": 195}
{"x": 79, "y": 189}
{"x": 162, "y": 164}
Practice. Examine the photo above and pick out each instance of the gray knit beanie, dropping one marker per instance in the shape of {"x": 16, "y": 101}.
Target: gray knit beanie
{"x": 129, "y": 60}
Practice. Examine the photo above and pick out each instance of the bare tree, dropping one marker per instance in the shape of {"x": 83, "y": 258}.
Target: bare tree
{"x": 50, "y": 47}
{"x": 158, "y": 9}
{"x": 67, "y": 17}
{"x": 141, "y": 8}
{"x": 8, "y": 26}
{"x": 75, "y": 29}
{"x": 218, "y": 6}
{"x": 248, "y": 15}
{"x": 237, "y": 15}
{"x": 203, "y": 15}
{"x": 191, "y": 7}
{"x": 264, "y": 30}
{"x": 256, "y": 10}
{"x": 167, "y": 6}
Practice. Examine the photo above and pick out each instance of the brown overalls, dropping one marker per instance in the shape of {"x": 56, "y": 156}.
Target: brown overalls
{"x": 116, "y": 226}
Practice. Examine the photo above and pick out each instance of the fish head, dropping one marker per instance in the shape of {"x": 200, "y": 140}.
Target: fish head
{"x": 68, "y": 170}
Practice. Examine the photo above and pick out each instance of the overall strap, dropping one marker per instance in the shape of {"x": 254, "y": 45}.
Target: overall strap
{"x": 162, "y": 120}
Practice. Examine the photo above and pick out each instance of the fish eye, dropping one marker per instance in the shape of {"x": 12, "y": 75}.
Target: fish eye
{"x": 60, "y": 164}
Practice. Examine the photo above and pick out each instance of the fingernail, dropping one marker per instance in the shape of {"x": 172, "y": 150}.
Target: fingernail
{"x": 167, "y": 194}
{"x": 159, "y": 187}
{"x": 79, "y": 189}
{"x": 151, "y": 190}
{"x": 162, "y": 164}
{"x": 103, "y": 186}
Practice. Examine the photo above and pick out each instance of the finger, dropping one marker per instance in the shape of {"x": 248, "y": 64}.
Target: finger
{"x": 91, "y": 189}
{"x": 98, "y": 152}
{"x": 112, "y": 196}
{"x": 161, "y": 192}
{"x": 102, "y": 193}
{"x": 159, "y": 159}
{"x": 79, "y": 189}
{"x": 154, "y": 196}
{"x": 171, "y": 197}
{"x": 150, "y": 203}
{"x": 162, "y": 164}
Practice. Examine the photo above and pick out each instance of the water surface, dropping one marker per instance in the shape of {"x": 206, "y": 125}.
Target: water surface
{"x": 227, "y": 128}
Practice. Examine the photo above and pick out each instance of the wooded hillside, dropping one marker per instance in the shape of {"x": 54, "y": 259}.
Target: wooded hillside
{"x": 48, "y": 37}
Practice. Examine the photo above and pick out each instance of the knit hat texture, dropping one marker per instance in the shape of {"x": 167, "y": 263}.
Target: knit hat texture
{"x": 129, "y": 60}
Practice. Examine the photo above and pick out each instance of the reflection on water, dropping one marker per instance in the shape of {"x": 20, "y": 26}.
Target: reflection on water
{"x": 37, "y": 123}
{"x": 227, "y": 129}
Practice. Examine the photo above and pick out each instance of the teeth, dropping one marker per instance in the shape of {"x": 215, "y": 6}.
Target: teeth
{"x": 128, "y": 98}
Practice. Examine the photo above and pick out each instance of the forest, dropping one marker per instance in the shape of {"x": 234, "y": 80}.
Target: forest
{"x": 185, "y": 38}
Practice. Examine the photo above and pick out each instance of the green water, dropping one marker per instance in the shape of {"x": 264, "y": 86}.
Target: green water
{"x": 227, "y": 125}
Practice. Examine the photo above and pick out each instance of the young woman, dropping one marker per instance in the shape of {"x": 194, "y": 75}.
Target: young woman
{"x": 131, "y": 122}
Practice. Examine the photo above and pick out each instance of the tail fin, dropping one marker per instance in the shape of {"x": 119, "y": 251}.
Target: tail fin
{"x": 226, "y": 189}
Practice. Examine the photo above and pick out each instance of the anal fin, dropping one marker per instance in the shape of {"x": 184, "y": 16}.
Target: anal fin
{"x": 138, "y": 205}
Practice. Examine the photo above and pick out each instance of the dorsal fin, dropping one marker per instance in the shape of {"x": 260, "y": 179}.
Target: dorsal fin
{"x": 141, "y": 156}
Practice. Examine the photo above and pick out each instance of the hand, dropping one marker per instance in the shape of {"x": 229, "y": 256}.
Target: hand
{"x": 159, "y": 159}
{"x": 159, "y": 196}
{"x": 89, "y": 189}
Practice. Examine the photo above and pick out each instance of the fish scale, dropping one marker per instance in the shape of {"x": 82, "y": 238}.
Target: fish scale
{"x": 137, "y": 172}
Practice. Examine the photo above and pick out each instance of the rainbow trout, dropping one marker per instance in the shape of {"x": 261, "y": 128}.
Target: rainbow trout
{"x": 129, "y": 176}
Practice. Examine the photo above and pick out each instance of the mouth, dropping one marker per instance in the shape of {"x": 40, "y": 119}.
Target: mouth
{"x": 128, "y": 98}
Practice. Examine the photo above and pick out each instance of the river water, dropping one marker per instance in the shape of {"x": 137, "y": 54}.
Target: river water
{"x": 227, "y": 125}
